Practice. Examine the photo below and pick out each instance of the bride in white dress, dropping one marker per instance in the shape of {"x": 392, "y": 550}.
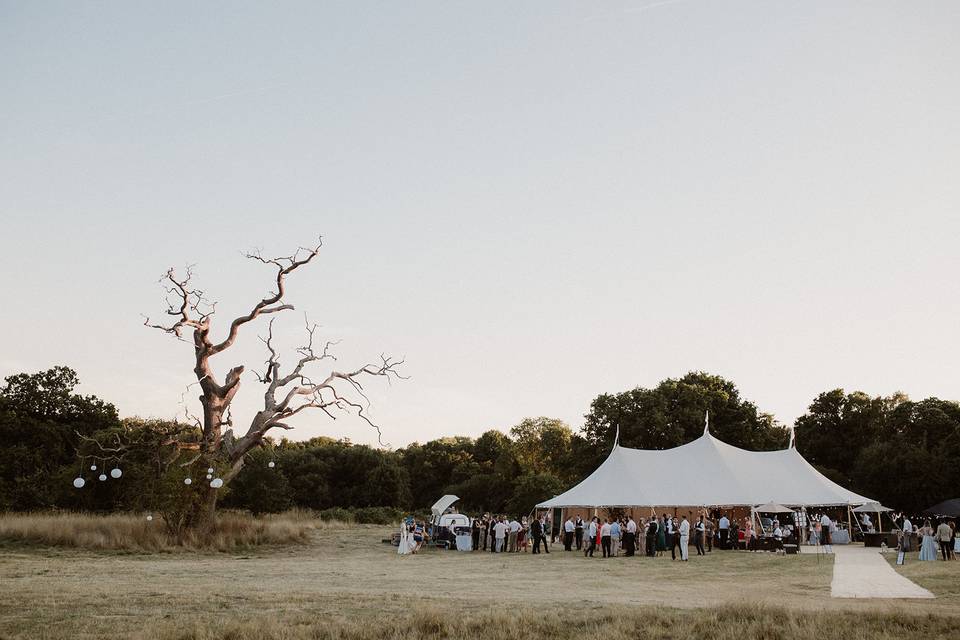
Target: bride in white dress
{"x": 407, "y": 543}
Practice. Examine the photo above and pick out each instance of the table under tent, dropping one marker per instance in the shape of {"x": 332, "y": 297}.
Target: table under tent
{"x": 700, "y": 475}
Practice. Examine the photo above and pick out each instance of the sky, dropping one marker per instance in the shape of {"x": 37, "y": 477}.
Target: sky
{"x": 531, "y": 203}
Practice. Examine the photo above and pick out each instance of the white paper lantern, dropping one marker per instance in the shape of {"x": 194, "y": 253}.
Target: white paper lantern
{"x": 93, "y": 467}
{"x": 115, "y": 473}
{"x": 216, "y": 483}
{"x": 187, "y": 481}
{"x": 209, "y": 477}
{"x": 79, "y": 482}
{"x": 149, "y": 518}
{"x": 210, "y": 470}
{"x": 102, "y": 477}
{"x": 271, "y": 464}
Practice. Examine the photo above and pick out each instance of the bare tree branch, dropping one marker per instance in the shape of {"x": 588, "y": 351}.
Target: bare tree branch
{"x": 284, "y": 267}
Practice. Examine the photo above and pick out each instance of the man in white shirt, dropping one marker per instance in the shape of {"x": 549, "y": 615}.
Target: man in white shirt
{"x": 684, "y": 539}
{"x": 512, "y": 539}
{"x": 825, "y": 538}
{"x": 907, "y": 537}
{"x": 630, "y": 538}
{"x": 568, "y": 528}
{"x": 591, "y": 539}
{"x": 605, "y": 539}
{"x": 724, "y": 530}
{"x": 500, "y": 535}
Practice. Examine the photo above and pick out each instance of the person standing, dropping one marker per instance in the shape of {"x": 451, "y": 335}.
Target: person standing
{"x": 630, "y": 538}
{"x": 944, "y": 535}
{"x": 616, "y": 532}
{"x": 605, "y": 538}
{"x": 661, "y": 536}
{"x": 652, "y": 533}
{"x": 928, "y": 546}
{"x": 578, "y": 532}
{"x": 699, "y": 530}
{"x": 672, "y": 537}
{"x": 953, "y": 539}
{"x": 512, "y": 536}
{"x": 684, "y": 531}
{"x": 492, "y": 534}
{"x": 475, "y": 533}
{"x": 641, "y": 537}
{"x": 591, "y": 538}
{"x": 709, "y": 534}
{"x": 536, "y": 530}
{"x": 724, "y": 530}
{"x": 500, "y": 535}
{"x": 907, "y": 528}
{"x": 568, "y": 528}
{"x": 826, "y": 539}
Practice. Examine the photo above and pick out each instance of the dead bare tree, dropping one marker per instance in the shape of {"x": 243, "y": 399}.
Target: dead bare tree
{"x": 287, "y": 393}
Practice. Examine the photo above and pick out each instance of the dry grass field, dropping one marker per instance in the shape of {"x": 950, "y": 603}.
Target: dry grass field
{"x": 344, "y": 583}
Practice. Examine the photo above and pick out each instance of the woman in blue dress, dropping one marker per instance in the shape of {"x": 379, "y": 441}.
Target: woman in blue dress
{"x": 928, "y": 547}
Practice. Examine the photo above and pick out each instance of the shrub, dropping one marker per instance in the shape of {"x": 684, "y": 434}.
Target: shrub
{"x": 378, "y": 515}
{"x": 129, "y": 532}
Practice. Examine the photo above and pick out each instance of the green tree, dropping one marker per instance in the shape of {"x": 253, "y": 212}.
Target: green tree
{"x": 531, "y": 489}
{"x": 42, "y": 422}
{"x": 672, "y": 413}
{"x": 542, "y": 445}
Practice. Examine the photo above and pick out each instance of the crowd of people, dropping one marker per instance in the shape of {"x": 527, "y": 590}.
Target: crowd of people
{"x": 930, "y": 539}
{"x": 622, "y": 535}
{"x": 614, "y": 536}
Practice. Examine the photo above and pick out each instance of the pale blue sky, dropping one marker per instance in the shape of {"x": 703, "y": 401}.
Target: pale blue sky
{"x": 532, "y": 202}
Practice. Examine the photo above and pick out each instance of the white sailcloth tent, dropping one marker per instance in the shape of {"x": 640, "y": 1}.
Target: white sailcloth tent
{"x": 705, "y": 472}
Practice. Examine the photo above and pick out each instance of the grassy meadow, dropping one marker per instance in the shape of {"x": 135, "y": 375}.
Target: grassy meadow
{"x": 342, "y": 582}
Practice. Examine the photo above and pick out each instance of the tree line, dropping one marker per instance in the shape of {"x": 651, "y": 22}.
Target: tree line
{"x": 902, "y": 452}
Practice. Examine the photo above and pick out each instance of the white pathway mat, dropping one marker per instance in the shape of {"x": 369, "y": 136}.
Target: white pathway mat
{"x": 860, "y": 572}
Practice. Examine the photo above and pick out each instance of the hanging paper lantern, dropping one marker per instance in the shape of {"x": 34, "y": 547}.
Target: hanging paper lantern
{"x": 210, "y": 470}
{"x": 209, "y": 476}
{"x": 271, "y": 464}
{"x": 93, "y": 467}
{"x": 149, "y": 518}
{"x": 115, "y": 473}
{"x": 79, "y": 482}
{"x": 216, "y": 483}
{"x": 102, "y": 477}
{"x": 187, "y": 481}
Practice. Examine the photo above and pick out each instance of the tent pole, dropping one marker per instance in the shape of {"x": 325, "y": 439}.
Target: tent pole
{"x": 850, "y": 523}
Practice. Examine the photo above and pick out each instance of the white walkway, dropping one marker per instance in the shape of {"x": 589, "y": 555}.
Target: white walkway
{"x": 861, "y": 572}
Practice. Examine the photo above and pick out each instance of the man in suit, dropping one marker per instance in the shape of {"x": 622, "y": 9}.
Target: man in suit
{"x": 536, "y": 530}
{"x": 652, "y": 530}
{"x": 944, "y": 536}
{"x": 630, "y": 537}
{"x": 578, "y": 532}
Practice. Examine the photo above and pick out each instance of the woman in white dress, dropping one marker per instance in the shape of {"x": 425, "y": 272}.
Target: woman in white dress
{"x": 404, "y": 547}
{"x": 928, "y": 548}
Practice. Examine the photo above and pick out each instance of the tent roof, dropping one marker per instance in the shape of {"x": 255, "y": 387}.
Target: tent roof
{"x": 872, "y": 507}
{"x": 945, "y": 508}
{"x": 772, "y": 507}
{"x": 444, "y": 503}
{"x": 705, "y": 472}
